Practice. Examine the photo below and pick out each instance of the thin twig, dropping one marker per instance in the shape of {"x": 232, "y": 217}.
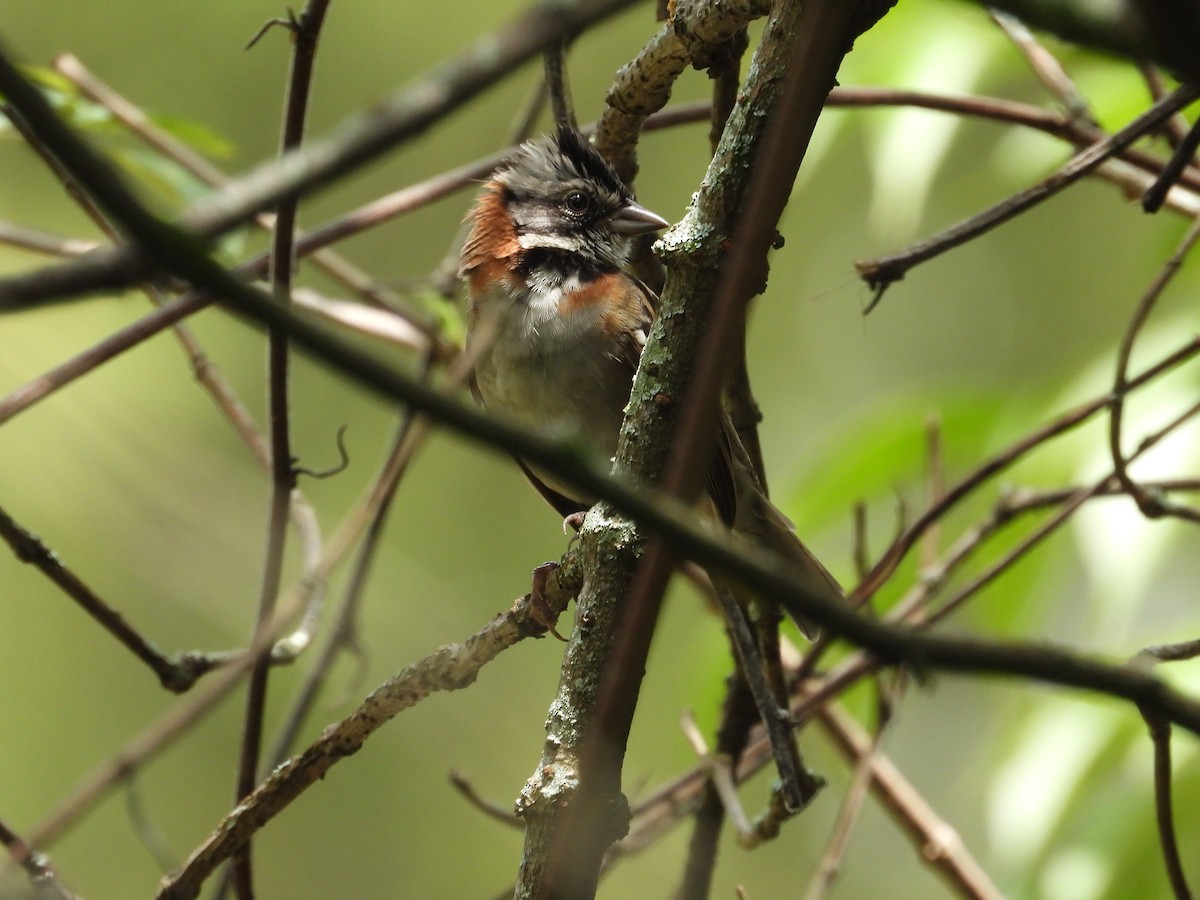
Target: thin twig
{"x": 881, "y": 272}
{"x": 1182, "y": 158}
{"x": 935, "y": 476}
{"x": 1174, "y": 652}
{"x": 849, "y": 813}
{"x": 1045, "y": 66}
{"x": 1003, "y": 460}
{"x": 141, "y": 125}
{"x": 737, "y": 719}
{"x": 43, "y": 241}
{"x": 42, "y": 877}
{"x": 463, "y": 785}
{"x": 176, "y": 673}
{"x": 1160, "y": 736}
{"x": 936, "y": 842}
{"x": 305, "y": 32}
{"x": 1150, "y": 505}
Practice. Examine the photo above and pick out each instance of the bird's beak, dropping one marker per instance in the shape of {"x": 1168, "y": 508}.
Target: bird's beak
{"x": 635, "y": 219}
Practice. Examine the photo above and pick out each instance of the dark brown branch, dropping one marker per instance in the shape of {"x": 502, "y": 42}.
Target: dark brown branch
{"x": 1150, "y": 505}
{"x": 176, "y": 673}
{"x": 143, "y": 127}
{"x": 305, "y": 33}
{"x": 1160, "y": 737}
{"x": 1181, "y": 159}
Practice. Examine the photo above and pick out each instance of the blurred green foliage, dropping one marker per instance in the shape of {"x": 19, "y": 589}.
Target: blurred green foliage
{"x": 138, "y": 483}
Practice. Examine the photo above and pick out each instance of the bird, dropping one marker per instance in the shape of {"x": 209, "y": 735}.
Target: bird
{"x": 557, "y": 326}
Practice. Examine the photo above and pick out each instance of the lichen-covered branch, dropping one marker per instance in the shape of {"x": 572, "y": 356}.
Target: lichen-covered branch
{"x": 573, "y": 805}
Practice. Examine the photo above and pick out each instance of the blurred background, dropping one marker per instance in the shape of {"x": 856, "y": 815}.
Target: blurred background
{"x": 137, "y": 482}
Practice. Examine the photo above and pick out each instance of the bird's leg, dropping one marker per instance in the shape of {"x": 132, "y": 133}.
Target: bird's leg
{"x": 539, "y": 608}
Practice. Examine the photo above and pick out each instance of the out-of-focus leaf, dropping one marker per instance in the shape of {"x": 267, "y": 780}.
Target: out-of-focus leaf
{"x": 197, "y": 135}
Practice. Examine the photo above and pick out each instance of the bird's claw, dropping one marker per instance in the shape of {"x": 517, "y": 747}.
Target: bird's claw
{"x": 539, "y": 608}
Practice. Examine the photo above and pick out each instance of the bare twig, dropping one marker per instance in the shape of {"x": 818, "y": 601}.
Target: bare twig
{"x": 849, "y": 813}
{"x": 937, "y": 843}
{"x": 176, "y": 673}
{"x": 492, "y": 810}
{"x": 451, "y": 667}
{"x": 880, "y": 273}
{"x": 1160, "y": 736}
{"x": 935, "y": 475}
{"x": 1045, "y": 66}
{"x": 1174, "y": 652}
{"x": 1182, "y": 158}
{"x": 1002, "y": 461}
{"x": 737, "y": 719}
{"x": 1150, "y": 505}
{"x": 305, "y": 32}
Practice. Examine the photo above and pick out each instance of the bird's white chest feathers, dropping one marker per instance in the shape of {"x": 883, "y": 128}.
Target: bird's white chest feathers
{"x": 554, "y": 370}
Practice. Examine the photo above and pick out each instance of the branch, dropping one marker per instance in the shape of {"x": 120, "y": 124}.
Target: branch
{"x": 358, "y": 140}
{"x": 935, "y": 841}
{"x": 176, "y": 673}
{"x": 449, "y": 668}
{"x": 882, "y": 272}
{"x": 573, "y": 805}
{"x": 305, "y": 32}
{"x": 1165, "y": 31}
{"x": 1151, "y": 506}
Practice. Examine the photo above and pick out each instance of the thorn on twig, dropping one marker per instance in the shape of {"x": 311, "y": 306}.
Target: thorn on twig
{"x": 878, "y": 284}
{"x": 342, "y": 465}
{"x": 291, "y": 24}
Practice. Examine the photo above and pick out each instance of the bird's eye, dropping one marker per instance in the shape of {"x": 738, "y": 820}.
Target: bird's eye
{"x": 577, "y": 203}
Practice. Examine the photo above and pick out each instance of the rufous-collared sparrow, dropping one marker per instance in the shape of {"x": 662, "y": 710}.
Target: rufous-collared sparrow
{"x": 551, "y": 233}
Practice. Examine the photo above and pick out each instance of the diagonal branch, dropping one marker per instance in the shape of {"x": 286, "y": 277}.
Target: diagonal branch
{"x": 397, "y": 118}
{"x": 882, "y": 272}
